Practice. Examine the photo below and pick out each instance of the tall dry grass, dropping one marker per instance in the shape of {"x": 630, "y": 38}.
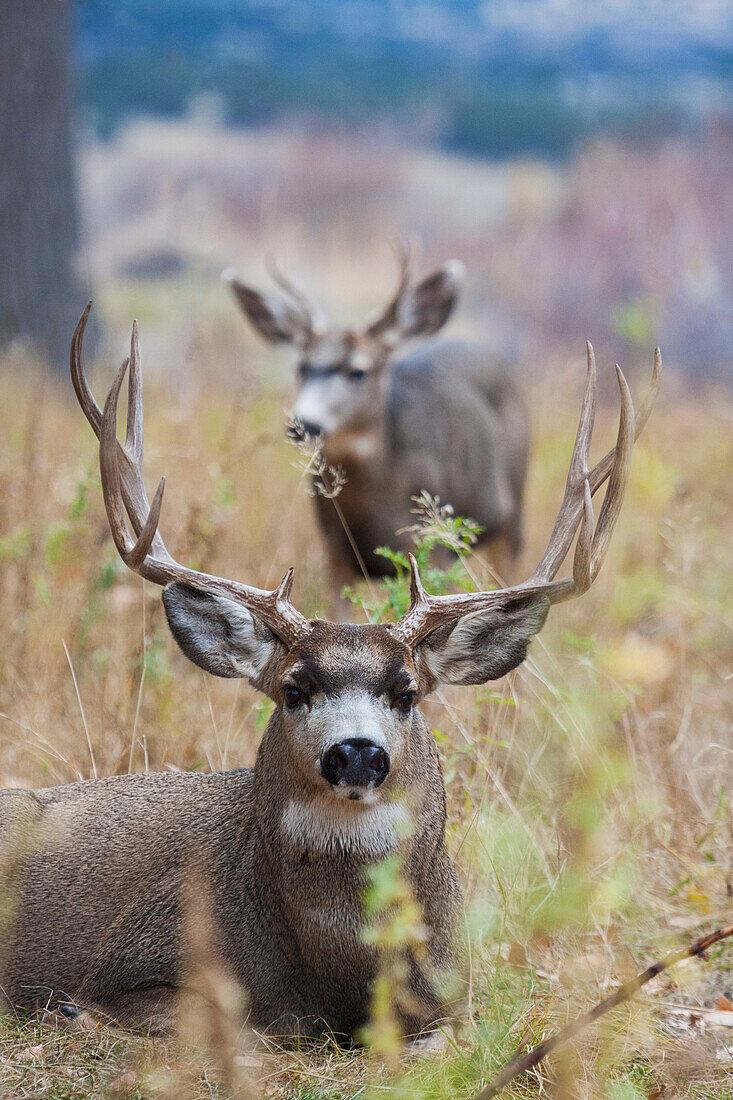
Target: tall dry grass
{"x": 589, "y": 793}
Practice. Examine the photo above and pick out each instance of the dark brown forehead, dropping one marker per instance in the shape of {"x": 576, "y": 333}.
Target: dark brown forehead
{"x": 338, "y": 656}
{"x": 323, "y": 349}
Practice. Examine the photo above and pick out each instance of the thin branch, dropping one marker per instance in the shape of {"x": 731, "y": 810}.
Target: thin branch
{"x": 623, "y": 994}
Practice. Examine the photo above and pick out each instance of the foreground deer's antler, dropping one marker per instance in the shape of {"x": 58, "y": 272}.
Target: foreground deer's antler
{"x": 124, "y": 496}
{"x": 426, "y": 613}
{"x": 145, "y": 553}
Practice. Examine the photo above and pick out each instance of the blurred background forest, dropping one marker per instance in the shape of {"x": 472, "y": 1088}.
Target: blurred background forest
{"x": 578, "y": 158}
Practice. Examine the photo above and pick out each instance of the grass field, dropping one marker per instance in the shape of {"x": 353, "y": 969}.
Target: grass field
{"x": 589, "y": 792}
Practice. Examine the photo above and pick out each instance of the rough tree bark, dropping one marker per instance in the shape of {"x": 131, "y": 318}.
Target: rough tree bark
{"x": 40, "y": 294}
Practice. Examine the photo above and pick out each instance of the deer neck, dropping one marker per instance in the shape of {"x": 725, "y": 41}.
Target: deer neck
{"x": 302, "y": 822}
{"x": 300, "y": 826}
{"x": 358, "y": 447}
{"x": 362, "y": 445}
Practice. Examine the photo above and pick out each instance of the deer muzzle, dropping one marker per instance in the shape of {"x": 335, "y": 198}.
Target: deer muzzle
{"x": 355, "y": 763}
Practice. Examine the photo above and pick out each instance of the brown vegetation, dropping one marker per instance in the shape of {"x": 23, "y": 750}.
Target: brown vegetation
{"x": 589, "y": 794}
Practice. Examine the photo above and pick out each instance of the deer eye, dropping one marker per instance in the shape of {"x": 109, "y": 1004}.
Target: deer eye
{"x": 293, "y": 696}
{"x": 405, "y": 701}
{"x": 357, "y": 374}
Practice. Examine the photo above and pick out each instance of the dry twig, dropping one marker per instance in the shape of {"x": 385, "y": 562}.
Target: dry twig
{"x": 624, "y": 993}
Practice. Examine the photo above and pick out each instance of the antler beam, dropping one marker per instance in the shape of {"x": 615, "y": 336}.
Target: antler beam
{"x": 125, "y": 498}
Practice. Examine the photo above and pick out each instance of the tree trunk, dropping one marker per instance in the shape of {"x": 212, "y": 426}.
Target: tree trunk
{"x": 40, "y": 293}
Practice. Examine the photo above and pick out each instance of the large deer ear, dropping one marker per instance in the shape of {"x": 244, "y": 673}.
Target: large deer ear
{"x": 219, "y": 635}
{"x": 275, "y": 319}
{"x": 482, "y": 645}
{"x": 426, "y": 307}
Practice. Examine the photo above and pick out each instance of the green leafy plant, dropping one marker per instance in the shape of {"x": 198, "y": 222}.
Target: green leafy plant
{"x": 437, "y": 528}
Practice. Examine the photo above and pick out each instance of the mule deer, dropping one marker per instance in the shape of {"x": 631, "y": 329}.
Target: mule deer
{"x": 445, "y": 418}
{"x": 347, "y": 772}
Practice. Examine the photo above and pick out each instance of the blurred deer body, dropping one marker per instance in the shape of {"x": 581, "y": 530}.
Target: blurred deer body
{"x": 346, "y": 773}
{"x": 444, "y": 419}
{"x": 446, "y": 426}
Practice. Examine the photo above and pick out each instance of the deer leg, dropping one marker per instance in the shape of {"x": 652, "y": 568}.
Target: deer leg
{"x": 152, "y": 1009}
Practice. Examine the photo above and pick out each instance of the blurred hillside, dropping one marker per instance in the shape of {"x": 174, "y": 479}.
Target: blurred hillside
{"x": 622, "y": 245}
{"x": 485, "y": 77}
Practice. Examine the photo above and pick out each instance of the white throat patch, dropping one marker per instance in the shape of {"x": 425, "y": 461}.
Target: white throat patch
{"x": 332, "y": 825}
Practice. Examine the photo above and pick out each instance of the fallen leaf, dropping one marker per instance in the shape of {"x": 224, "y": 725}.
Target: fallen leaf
{"x": 724, "y": 1005}
{"x": 639, "y": 661}
{"x": 517, "y": 955}
{"x": 698, "y": 899}
{"x": 125, "y": 1083}
{"x": 582, "y": 968}
{"x": 252, "y": 1060}
{"x": 30, "y": 1054}
{"x": 719, "y": 1019}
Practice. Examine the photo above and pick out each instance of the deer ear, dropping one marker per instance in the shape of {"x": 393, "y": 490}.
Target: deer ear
{"x": 427, "y": 306}
{"x": 219, "y": 635}
{"x": 482, "y": 645}
{"x": 270, "y": 315}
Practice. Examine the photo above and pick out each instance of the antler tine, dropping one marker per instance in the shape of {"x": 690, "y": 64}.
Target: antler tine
{"x": 567, "y": 518}
{"x": 140, "y": 551}
{"x": 602, "y": 469}
{"x": 288, "y": 287}
{"x": 109, "y": 470}
{"x": 129, "y": 457}
{"x": 84, "y": 395}
{"x": 134, "y": 436}
{"x": 405, "y": 252}
{"x": 618, "y": 478}
{"x": 427, "y": 612}
{"x": 388, "y": 316}
{"x": 571, "y": 508}
{"x": 134, "y": 552}
{"x": 583, "y": 561}
{"x": 124, "y": 495}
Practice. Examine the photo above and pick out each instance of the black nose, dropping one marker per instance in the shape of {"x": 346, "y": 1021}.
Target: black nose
{"x": 355, "y": 763}
{"x": 299, "y": 430}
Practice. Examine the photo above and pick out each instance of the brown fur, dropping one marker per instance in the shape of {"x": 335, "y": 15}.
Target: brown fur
{"x": 447, "y": 419}
{"x": 98, "y": 917}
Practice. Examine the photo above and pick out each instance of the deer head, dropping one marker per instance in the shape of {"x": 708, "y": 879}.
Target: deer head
{"x": 341, "y": 371}
{"x": 347, "y": 696}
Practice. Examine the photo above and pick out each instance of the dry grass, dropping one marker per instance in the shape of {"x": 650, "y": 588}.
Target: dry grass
{"x": 589, "y": 793}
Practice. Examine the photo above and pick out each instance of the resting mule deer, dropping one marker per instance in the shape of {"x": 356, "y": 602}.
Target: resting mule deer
{"x": 445, "y": 418}
{"x": 347, "y": 772}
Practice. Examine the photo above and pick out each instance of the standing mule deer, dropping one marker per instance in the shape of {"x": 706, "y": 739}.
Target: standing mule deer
{"x": 445, "y": 419}
{"x": 346, "y": 773}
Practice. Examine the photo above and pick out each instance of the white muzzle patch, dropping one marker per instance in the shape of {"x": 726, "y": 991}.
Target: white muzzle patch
{"x": 332, "y": 826}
